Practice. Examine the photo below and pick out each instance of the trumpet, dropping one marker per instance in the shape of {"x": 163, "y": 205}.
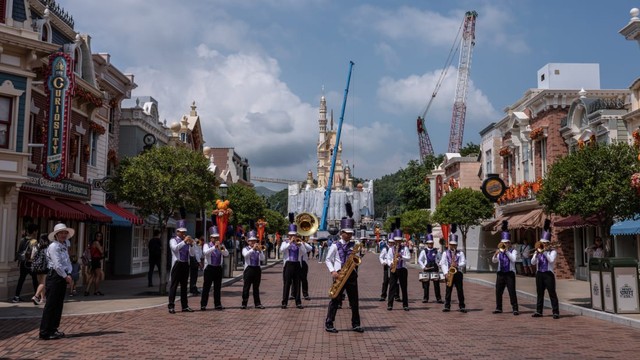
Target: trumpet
{"x": 188, "y": 240}
{"x": 502, "y": 247}
{"x": 542, "y": 247}
{"x": 259, "y": 247}
{"x": 221, "y": 247}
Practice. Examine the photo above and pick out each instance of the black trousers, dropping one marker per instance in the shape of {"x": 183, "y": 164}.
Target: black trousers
{"x": 304, "y": 283}
{"x": 193, "y": 274}
{"x": 25, "y": 269}
{"x": 179, "y": 276}
{"x": 506, "y": 279}
{"x": 56, "y": 287}
{"x": 385, "y": 281}
{"x": 400, "y": 276}
{"x": 436, "y": 289}
{"x": 153, "y": 263}
{"x": 251, "y": 277}
{"x": 292, "y": 272}
{"x": 212, "y": 275}
{"x": 351, "y": 287}
{"x": 545, "y": 281}
{"x": 457, "y": 283}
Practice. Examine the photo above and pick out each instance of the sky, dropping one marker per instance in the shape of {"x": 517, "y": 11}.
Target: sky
{"x": 257, "y": 69}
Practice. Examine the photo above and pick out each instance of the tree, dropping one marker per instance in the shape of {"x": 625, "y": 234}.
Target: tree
{"x": 593, "y": 181}
{"x": 246, "y": 204}
{"x": 415, "y": 221}
{"x": 466, "y": 208}
{"x": 161, "y": 181}
{"x": 470, "y": 149}
{"x": 413, "y": 189}
{"x": 276, "y": 222}
{"x": 279, "y": 201}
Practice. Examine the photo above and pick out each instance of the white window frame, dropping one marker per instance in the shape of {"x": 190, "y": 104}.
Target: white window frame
{"x": 93, "y": 148}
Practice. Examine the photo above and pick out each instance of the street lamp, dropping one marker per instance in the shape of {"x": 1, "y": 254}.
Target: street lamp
{"x": 222, "y": 190}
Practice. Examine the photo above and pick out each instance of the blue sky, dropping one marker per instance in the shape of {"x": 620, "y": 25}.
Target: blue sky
{"x": 257, "y": 69}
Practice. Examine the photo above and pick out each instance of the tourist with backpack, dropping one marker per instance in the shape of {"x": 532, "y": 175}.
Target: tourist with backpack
{"x": 23, "y": 257}
{"x": 40, "y": 268}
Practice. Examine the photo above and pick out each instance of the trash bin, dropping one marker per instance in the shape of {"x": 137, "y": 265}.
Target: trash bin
{"x": 620, "y": 285}
{"x": 595, "y": 281}
{"x": 227, "y": 270}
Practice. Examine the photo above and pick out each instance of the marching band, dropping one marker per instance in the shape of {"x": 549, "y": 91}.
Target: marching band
{"x": 342, "y": 260}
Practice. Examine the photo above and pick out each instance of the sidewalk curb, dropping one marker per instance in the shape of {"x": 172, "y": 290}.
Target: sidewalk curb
{"x": 574, "y": 309}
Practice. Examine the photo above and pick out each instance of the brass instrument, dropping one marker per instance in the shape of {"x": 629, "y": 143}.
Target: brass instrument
{"x": 396, "y": 257}
{"x": 259, "y": 247}
{"x": 502, "y": 247}
{"x": 307, "y": 223}
{"x": 542, "y": 247}
{"x": 351, "y": 264}
{"x": 220, "y": 247}
{"x": 452, "y": 270}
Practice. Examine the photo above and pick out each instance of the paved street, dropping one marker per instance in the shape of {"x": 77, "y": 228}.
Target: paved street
{"x": 424, "y": 332}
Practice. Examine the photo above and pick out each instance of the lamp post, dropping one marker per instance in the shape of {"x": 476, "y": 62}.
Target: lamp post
{"x": 223, "y": 212}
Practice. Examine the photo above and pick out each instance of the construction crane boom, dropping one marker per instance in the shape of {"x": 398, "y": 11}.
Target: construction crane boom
{"x": 460, "y": 103}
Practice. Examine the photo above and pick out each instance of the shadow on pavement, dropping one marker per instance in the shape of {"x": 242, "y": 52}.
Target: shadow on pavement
{"x": 95, "y": 333}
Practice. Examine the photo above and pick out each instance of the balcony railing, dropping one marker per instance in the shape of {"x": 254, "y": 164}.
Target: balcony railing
{"x": 58, "y": 11}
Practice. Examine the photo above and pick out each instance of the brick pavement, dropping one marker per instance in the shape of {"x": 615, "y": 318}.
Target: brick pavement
{"x": 425, "y": 332}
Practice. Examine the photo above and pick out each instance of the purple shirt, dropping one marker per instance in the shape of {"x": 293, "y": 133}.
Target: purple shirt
{"x": 184, "y": 253}
{"x": 216, "y": 256}
{"x": 293, "y": 253}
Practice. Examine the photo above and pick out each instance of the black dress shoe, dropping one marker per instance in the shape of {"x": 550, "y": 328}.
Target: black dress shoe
{"x": 406, "y": 308}
{"x": 299, "y": 306}
{"x": 516, "y": 312}
{"x": 397, "y": 299}
{"x": 50, "y": 337}
{"x": 382, "y": 298}
{"x": 243, "y": 307}
{"x": 556, "y": 316}
{"x": 358, "y": 329}
{"x": 497, "y": 311}
{"x": 58, "y": 334}
{"x": 187, "y": 309}
{"x": 259, "y": 306}
{"x": 330, "y": 329}
{"x": 203, "y": 308}
{"x": 307, "y": 298}
{"x": 172, "y": 311}
{"x": 463, "y": 310}
{"x": 389, "y": 308}
{"x": 283, "y": 306}
{"x": 424, "y": 301}
{"x": 536, "y": 315}
{"x": 446, "y": 310}
{"x": 440, "y": 301}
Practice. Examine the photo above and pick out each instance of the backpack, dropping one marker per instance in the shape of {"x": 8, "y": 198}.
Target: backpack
{"x": 21, "y": 254}
{"x": 40, "y": 264}
{"x": 29, "y": 251}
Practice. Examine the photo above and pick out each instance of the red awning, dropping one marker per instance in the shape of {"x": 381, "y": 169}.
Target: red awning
{"x": 575, "y": 221}
{"x": 135, "y": 220}
{"x": 92, "y": 214}
{"x": 44, "y": 207}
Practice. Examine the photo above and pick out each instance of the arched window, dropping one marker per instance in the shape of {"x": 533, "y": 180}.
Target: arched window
{"x": 45, "y": 34}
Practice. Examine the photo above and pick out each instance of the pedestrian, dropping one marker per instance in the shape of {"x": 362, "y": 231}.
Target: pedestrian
{"x": 452, "y": 263}
{"x": 428, "y": 260}
{"x": 75, "y": 274}
{"x": 506, "y": 257}
{"x": 596, "y": 250}
{"x": 252, "y": 275}
{"x": 397, "y": 258}
{"x": 213, "y": 253}
{"x": 195, "y": 265}
{"x": 181, "y": 248}
{"x": 338, "y": 254}
{"x": 57, "y": 280}
{"x": 525, "y": 254}
{"x": 40, "y": 268}
{"x": 544, "y": 258}
{"x": 23, "y": 256}
{"x": 292, "y": 250}
{"x": 155, "y": 255}
{"x": 384, "y": 247}
{"x": 97, "y": 276}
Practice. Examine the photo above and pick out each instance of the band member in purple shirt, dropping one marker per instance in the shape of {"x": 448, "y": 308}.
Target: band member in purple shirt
{"x": 181, "y": 248}
{"x": 213, "y": 253}
{"x": 253, "y": 256}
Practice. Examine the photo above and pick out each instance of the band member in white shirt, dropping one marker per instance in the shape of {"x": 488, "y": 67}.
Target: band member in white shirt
{"x": 339, "y": 252}
{"x": 253, "y": 257}
{"x": 544, "y": 258}
{"x": 214, "y": 253}
{"x": 398, "y": 278}
{"x": 384, "y": 247}
{"x": 506, "y": 257}
{"x": 181, "y": 248}
{"x": 453, "y": 259}
{"x": 292, "y": 250}
{"x": 428, "y": 260}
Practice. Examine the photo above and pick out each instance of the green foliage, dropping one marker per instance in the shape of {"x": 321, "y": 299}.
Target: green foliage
{"x": 413, "y": 188}
{"x": 279, "y": 201}
{"x": 593, "y": 180}
{"x": 416, "y": 221}
{"x": 163, "y": 179}
{"x": 276, "y": 222}
{"x": 385, "y": 196}
{"x": 246, "y": 204}
{"x": 465, "y": 207}
{"x": 470, "y": 149}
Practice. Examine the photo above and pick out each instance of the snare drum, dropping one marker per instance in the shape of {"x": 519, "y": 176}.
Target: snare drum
{"x": 435, "y": 276}
{"x": 423, "y": 276}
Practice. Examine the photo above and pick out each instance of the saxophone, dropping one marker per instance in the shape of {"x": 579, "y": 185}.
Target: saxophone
{"x": 352, "y": 262}
{"x": 452, "y": 269}
{"x": 396, "y": 257}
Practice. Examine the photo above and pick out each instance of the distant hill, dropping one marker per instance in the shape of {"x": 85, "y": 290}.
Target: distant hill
{"x": 261, "y": 190}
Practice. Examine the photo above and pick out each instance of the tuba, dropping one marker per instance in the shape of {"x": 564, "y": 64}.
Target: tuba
{"x": 351, "y": 264}
{"x": 307, "y": 223}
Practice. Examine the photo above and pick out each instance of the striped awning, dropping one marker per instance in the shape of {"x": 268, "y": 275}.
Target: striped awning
{"x": 135, "y": 220}
{"x": 116, "y": 220}
{"x": 44, "y": 207}
{"x": 91, "y": 213}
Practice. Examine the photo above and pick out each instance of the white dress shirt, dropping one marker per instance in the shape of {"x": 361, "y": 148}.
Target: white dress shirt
{"x": 511, "y": 254}
{"x": 551, "y": 258}
{"x": 208, "y": 249}
{"x": 404, "y": 255}
{"x": 247, "y": 252}
{"x": 58, "y": 258}
{"x": 422, "y": 259}
{"x": 444, "y": 261}
{"x": 176, "y": 244}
